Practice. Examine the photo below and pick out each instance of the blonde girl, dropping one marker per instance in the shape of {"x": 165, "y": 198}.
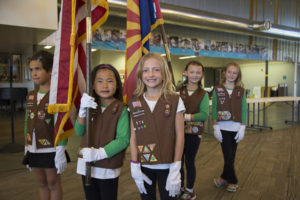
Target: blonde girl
{"x": 229, "y": 112}
{"x": 157, "y": 130}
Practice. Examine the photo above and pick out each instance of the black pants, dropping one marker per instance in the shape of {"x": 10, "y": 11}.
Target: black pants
{"x": 191, "y": 146}
{"x": 229, "y": 147}
{"x": 101, "y": 189}
{"x": 159, "y": 175}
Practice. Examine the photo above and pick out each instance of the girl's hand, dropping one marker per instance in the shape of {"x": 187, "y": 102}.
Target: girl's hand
{"x": 86, "y": 102}
{"x": 92, "y": 154}
{"x": 217, "y": 133}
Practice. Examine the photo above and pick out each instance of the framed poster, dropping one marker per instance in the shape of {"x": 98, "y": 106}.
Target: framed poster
{"x": 16, "y": 66}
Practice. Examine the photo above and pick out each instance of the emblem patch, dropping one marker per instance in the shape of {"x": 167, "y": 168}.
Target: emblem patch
{"x": 41, "y": 114}
{"x": 136, "y": 104}
{"x": 224, "y": 115}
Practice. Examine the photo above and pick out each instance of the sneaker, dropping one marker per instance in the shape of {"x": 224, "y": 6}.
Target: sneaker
{"x": 188, "y": 195}
{"x": 219, "y": 182}
{"x": 232, "y": 187}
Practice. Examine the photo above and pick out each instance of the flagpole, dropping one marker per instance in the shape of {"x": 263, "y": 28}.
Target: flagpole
{"x": 88, "y": 84}
{"x": 168, "y": 55}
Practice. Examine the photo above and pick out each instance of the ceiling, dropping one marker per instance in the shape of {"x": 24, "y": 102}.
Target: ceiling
{"x": 16, "y": 39}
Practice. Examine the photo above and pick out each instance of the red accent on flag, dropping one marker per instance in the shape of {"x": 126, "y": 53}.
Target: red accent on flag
{"x": 134, "y": 38}
{"x": 69, "y": 68}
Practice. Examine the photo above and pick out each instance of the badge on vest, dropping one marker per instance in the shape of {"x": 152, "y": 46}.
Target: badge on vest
{"x": 41, "y": 114}
{"x": 138, "y": 113}
{"x": 136, "y": 104}
{"x": 224, "y": 115}
{"x": 140, "y": 125}
{"x": 44, "y": 142}
{"x": 222, "y": 100}
{"x": 146, "y": 152}
{"x": 31, "y": 97}
{"x": 167, "y": 110}
{"x": 31, "y": 115}
{"x": 220, "y": 89}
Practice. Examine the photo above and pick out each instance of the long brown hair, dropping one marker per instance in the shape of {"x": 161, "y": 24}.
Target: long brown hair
{"x": 238, "y": 80}
{"x": 167, "y": 85}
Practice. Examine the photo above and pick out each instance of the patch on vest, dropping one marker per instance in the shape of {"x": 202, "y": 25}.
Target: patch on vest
{"x": 44, "y": 142}
{"x": 41, "y": 114}
{"x": 136, "y": 104}
{"x": 138, "y": 113}
{"x": 222, "y": 100}
{"x": 224, "y": 115}
{"x": 47, "y": 121}
{"x": 167, "y": 110}
{"x": 31, "y": 97}
{"x": 220, "y": 89}
{"x": 31, "y": 115}
{"x": 147, "y": 153}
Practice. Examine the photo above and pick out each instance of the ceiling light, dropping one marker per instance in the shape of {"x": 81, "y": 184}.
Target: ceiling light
{"x": 163, "y": 54}
{"x": 186, "y": 57}
{"x": 287, "y": 33}
{"x": 93, "y": 50}
{"x": 47, "y": 47}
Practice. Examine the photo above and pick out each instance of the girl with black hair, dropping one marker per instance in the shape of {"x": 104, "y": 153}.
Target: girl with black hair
{"x": 110, "y": 134}
{"x": 196, "y": 102}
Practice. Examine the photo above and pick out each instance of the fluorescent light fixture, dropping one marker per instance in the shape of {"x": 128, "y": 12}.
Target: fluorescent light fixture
{"x": 186, "y": 57}
{"x": 287, "y": 33}
{"x": 93, "y": 50}
{"x": 47, "y": 47}
{"x": 163, "y": 54}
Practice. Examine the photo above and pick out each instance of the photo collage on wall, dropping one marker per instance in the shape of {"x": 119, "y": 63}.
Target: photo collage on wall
{"x": 115, "y": 39}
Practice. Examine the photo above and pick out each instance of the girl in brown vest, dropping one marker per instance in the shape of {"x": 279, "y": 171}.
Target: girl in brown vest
{"x": 46, "y": 161}
{"x": 109, "y": 137}
{"x": 196, "y": 102}
{"x": 229, "y": 112}
{"x": 157, "y": 130}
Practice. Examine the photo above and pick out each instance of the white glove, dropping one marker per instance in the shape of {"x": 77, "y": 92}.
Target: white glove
{"x": 25, "y": 151}
{"x": 217, "y": 133}
{"x": 86, "y": 102}
{"x": 188, "y": 117}
{"x": 240, "y": 134}
{"x": 174, "y": 179}
{"x": 60, "y": 159}
{"x": 92, "y": 154}
{"x": 139, "y": 177}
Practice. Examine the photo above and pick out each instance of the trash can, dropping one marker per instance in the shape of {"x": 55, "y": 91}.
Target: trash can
{"x": 282, "y": 89}
{"x": 274, "y": 92}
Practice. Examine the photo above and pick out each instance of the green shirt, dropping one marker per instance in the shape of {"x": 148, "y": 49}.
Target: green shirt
{"x": 203, "y": 113}
{"x": 122, "y": 137}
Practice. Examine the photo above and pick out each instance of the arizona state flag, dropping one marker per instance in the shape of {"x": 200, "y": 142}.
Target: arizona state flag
{"x": 69, "y": 65}
{"x": 143, "y": 16}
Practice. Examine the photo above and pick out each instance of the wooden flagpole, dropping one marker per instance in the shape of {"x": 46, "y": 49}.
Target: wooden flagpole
{"x": 168, "y": 55}
{"x": 88, "y": 84}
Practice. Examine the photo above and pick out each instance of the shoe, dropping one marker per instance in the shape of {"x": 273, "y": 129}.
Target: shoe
{"x": 188, "y": 195}
{"x": 232, "y": 187}
{"x": 178, "y": 196}
{"x": 219, "y": 182}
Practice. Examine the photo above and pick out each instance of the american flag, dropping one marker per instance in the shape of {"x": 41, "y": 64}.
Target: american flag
{"x": 143, "y": 16}
{"x": 69, "y": 65}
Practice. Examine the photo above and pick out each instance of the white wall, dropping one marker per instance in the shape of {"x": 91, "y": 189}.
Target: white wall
{"x": 29, "y": 13}
{"x": 253, "y": 74}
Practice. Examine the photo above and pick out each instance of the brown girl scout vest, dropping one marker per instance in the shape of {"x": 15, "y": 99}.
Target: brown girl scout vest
{"x": 229, "y": 108}
{"x": 192, "y": 104}
{"x": 104, "y": 129}
{"x": 39, "y": 120}
{"x": 155, "y": 131}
